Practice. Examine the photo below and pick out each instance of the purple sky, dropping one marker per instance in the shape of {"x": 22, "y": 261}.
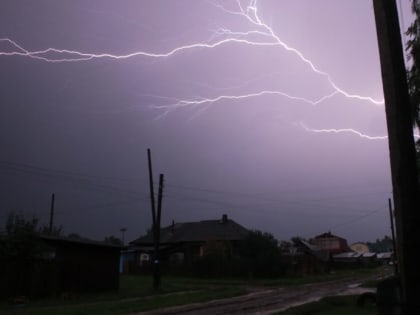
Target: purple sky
{"x": 233, "y": 124}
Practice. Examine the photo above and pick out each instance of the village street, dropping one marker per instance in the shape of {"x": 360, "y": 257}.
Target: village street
{"x": 264, "y": 301}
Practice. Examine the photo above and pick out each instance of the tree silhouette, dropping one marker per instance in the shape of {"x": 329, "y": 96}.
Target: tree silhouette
{"x": 20, "y": 240}
{"x": 413, "y": 72}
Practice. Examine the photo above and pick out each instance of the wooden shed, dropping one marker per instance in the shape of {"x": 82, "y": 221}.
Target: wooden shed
{"x": 83, "y": 265}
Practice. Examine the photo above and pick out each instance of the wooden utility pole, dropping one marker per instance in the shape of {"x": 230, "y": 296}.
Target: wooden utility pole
{"x": 157, "y": 234}
{"x": 51, "y": 214}
{"x": 402, "y": 151}
{"x": 155, "y": 222}
{"x": 123, "y": 230}
{"x": 152, "y": 193}
{"x": 159, "y": 205}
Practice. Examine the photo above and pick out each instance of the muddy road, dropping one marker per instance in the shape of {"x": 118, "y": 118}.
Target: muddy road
{"x": 267, "y": 300}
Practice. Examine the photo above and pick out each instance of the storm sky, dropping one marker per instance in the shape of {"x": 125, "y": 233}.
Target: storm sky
{"x": 271, "y": 113}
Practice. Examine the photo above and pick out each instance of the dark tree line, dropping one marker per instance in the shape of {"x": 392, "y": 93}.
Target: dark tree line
{"x": 21, "y": 237}
{"x": 257, "y": 256}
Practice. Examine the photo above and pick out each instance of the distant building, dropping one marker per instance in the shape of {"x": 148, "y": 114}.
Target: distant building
{"x": 182, "y": 242}
{"x": 359, "y": 247}
{"x": 347, "y": 257}
{"x": 302, "y": 257}
{"x": 332, "y": 243}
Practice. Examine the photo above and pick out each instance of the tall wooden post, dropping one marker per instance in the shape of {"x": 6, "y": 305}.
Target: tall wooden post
{"x": 155, "y": 223}
{"x": 50, "y": 229}
{"x": 157, "y": 235}
{"x": 152, "y": 193}
{"x": 402, "y": 151}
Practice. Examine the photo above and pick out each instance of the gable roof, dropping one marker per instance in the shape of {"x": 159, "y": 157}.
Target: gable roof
{"x": 328, "y": 235}
{"x": 321, "y": 254}
{"x": 201, "y": 231}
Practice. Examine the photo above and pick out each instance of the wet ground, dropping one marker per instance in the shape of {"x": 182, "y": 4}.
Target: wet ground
{"x": 264, "y": 301}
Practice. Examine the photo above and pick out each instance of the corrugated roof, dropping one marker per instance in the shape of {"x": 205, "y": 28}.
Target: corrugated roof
{"x": 368, "y": 255}
{"x": 221, "y": 230}
{"x": 347, "y": 255}
{"x": 385, "y": 255}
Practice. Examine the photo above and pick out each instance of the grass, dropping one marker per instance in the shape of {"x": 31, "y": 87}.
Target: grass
{"x": 128, "y": 306}
{"x": 136, "y": 294}
{"x": 343, "y": 305}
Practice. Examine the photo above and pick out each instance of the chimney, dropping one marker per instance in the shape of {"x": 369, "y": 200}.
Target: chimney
{"x": 224, "y": 218}
{"x": 173, "y": 227}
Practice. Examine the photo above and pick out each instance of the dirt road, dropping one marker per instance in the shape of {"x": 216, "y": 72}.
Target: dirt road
{"x": 267, "y": 301}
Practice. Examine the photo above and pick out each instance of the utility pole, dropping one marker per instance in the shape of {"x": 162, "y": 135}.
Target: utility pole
{"x": 155, "y": 223}
{"x": 159, "y": 205}
{"x": 123, "y": 230}
{"x": 402, "y": 151}
{"x": 152, "y": 193}
{"x": 157, "y": 234}
{"x": 51, "y": 214}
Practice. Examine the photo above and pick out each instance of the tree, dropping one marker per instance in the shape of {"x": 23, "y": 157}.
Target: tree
{"x": 55, "y": 231}
{"x": 74, "y": 236}
{"x": 261, "y": 254}
{"x": 381, "y": 245}
{"x": 413, "y": 72}
{"x": 20, "y": 240}
{"x": 112, "y": 240}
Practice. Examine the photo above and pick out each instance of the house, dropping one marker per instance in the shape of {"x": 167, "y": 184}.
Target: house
{"x": 330, "y": 242}
{"x": 304, "y": 258}
{"x": 360, "y": 247}
{"x": 184, "y": 242}
{"x": 386, "y": 257}
{"x": 367, "y": 257}
{"x": 349, "y": 258}
{"x": 133, "y": 258}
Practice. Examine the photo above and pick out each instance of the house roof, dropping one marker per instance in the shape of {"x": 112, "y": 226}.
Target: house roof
{"x": 314, "y": 250}
{"x": 328, "y": 235}
{"x": 368, "y": 255}
{"x": 385, "y": 255}
{"x": 220, "y": 230}
{"x": 347, "y": 255}
{"x": 81, "y": 241}
{"x": 309, "y": 245}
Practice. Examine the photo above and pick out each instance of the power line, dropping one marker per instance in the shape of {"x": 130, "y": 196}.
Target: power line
{"x": 359, "y": 217}
{"x": 90, "y": 181}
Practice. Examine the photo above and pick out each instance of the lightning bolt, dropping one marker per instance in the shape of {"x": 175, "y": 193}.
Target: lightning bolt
{"x": 347, "y": 130}
{"x": 250, "y": 13}
{"x": 207, "y": 101}
{"x": 81, "y": 56}
{"x": 344, "y": 130}
{"x": 260, "y": 34}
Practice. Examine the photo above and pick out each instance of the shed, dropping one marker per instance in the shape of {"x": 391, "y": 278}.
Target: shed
{"x": 83, "y": 265}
